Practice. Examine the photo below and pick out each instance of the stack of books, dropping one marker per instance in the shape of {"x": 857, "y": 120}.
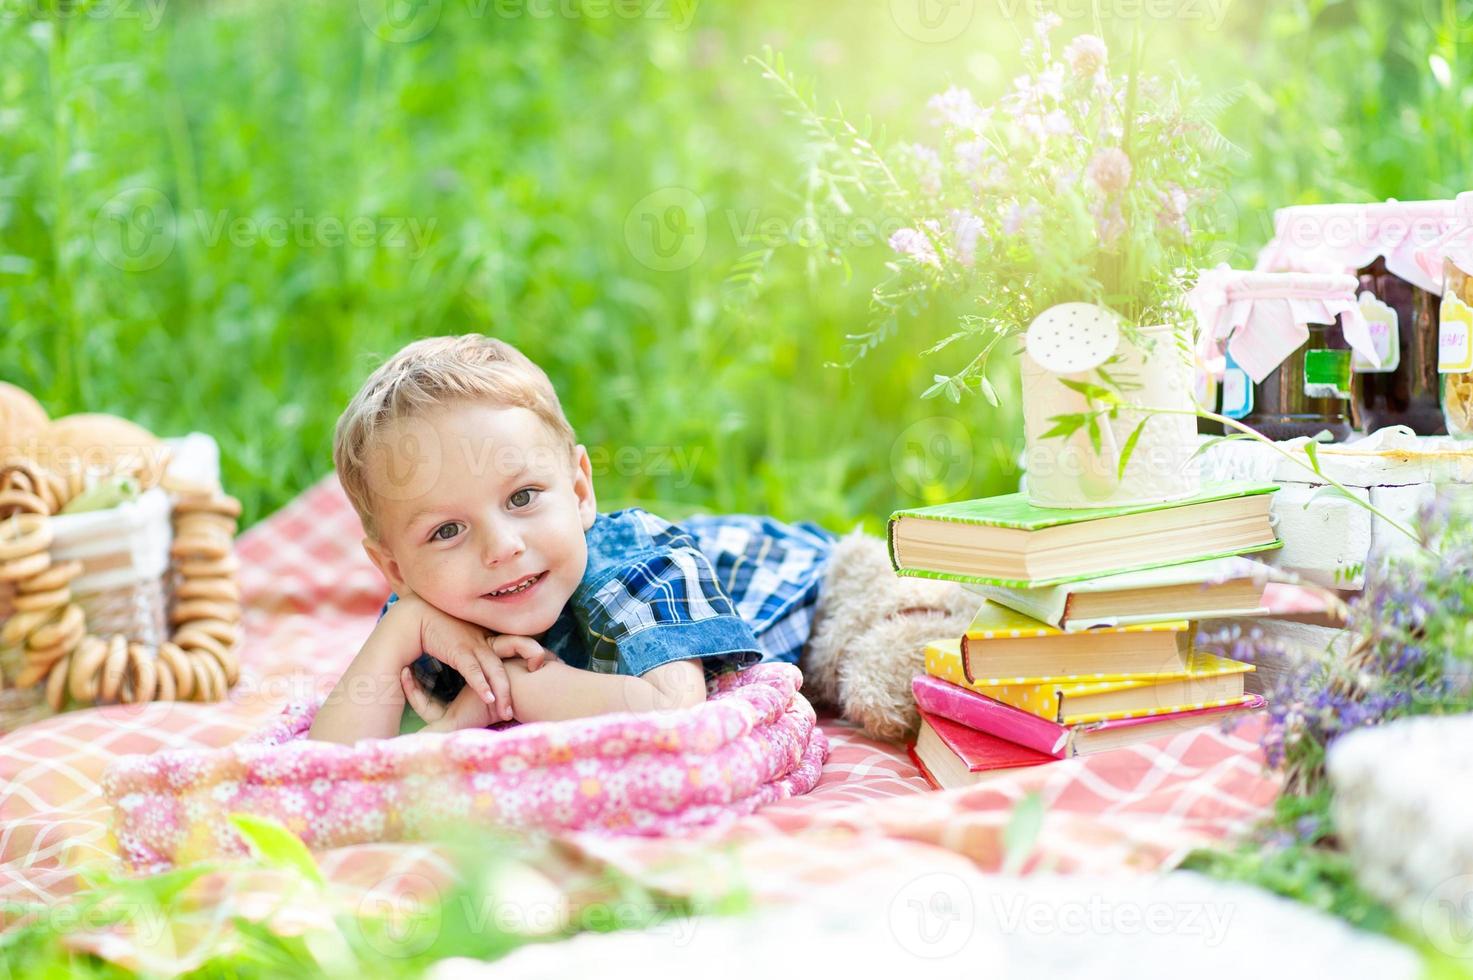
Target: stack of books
{"x": 1083, "y": 638}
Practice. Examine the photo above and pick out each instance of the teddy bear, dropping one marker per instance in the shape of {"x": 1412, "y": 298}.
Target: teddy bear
{"x": 869, "y": 634}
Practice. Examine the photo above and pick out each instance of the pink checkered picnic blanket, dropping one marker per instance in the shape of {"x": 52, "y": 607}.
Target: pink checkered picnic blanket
{"x": 311, "y": 598}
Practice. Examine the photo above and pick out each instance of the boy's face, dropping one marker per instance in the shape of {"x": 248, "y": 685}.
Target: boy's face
{"x": 471, "y": 499}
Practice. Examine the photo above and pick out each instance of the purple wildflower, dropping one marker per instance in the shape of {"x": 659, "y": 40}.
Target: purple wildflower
{"x": 915, "y": 244}
{"x": 955, "y": 107}
{"x": 1018, "y": 215}
{"x": 1110, "y": 170}
{"x": 965, "y": 230}
{"x": 927, "y": 164}
{"x": 1086, "y": 55}
{"x": 970, "y": 154}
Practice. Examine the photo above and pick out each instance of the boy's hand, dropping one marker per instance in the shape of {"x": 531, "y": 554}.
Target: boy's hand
{"x": 463, "y": 646}
{"x": 509, "y": 645}
{"x": 466, "y": 711}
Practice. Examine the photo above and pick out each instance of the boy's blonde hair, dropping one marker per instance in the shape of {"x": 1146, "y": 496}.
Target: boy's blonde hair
{"x": 433, "y": 372}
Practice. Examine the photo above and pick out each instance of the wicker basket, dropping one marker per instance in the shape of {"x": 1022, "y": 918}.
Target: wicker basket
{"x": 125, "y": 586}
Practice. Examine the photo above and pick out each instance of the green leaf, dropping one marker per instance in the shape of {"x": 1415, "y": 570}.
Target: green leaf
{"x": 1125, "y": 453}
{"x": 1329, "y": 490}
{"x": 1094, "y": 433}
{"x": 1022, "y": 830}
{"x": 1064, "y": 426}
{"x": 1312, "y": 450}
{"x": 989, "y": 392}
{"x": 1091, "y": 391}
{"x": 941, "y": 383}
{"x": 1206, "y": 446}
{"x": 275, "y": 844}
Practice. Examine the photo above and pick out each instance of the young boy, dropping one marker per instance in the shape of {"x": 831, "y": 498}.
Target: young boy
{"x": 514, "y": 598}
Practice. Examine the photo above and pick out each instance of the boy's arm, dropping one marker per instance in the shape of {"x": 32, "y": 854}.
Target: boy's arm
{"x": 367, "y": 701}
{"x": 555, "y": 691}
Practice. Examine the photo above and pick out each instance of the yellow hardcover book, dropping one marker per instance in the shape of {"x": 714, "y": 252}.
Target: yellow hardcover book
{"x": 1003, "y": 643}
{"x": 944, "y": 660}
{"x": 1208, "y": 681}
{"x": 994, "y": 621}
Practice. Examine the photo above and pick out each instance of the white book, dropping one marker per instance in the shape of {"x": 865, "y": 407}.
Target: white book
{"x": 1221, "y": 588}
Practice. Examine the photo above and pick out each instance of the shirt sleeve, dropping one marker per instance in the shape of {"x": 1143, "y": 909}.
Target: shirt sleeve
{"x": 662, "y": 605}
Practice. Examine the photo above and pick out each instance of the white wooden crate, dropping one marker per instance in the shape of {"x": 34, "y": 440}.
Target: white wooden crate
{"x": 1328, "y": 539}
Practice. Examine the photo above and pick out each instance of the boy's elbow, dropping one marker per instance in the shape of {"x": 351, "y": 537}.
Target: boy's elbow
{"x": 681, "y": 684}
{"x": 682, "y": 698}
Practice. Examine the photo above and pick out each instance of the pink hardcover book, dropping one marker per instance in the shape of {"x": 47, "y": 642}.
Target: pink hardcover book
{"x": 978, "y": 711}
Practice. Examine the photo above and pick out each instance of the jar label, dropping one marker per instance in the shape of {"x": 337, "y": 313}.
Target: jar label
{"x": 1327, "y": 373}
{"x": 1385, "y": 336}
{"x": 1455, "y": 336}
{"x": 1237, "y": 391}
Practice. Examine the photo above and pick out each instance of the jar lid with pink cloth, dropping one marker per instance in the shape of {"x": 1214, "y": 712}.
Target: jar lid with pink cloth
{"x": 1263, "y": 317}
{"x": 1288, "y": 339}
{"x": 1347, "y": 238}
{"x": 1380, "y": 244}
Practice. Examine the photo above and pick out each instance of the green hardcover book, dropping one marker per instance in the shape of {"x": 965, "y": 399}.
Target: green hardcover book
{"x": 1006, "y": 541}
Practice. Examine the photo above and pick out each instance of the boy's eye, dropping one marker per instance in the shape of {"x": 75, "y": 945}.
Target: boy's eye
{"x": 525, "y": 493}
{"x": 439, "y": 537}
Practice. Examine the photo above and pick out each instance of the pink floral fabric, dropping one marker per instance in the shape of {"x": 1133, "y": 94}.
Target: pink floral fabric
{"x": 753, "y": 742}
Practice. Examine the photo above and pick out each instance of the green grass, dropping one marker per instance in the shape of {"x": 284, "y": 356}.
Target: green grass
{"x": 523, "y": 149}
{"x": 500, "y": 900}
{"x": 520, "y": 149}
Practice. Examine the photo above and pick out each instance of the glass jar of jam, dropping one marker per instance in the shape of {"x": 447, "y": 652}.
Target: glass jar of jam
{"x": 1309, "y": 393}
{"x": 1286, "y": 329}
{"x": 1456, "y": 352}
{"x": 1410, "y": 393}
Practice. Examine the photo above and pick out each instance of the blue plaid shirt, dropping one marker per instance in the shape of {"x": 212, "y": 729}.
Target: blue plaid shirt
{"x": 730, "y": 590}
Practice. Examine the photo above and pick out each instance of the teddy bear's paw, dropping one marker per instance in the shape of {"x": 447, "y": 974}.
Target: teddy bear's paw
{"x": 876, "y": 669}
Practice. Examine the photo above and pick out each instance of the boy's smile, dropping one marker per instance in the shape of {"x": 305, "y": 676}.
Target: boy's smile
{"x": 496, "y": 536}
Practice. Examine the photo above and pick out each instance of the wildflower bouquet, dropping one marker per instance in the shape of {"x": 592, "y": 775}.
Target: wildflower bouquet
{"x": 1074, "y": 209}
{"x": 1412, "y": 652}
{"x": 1077, "y": 185}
